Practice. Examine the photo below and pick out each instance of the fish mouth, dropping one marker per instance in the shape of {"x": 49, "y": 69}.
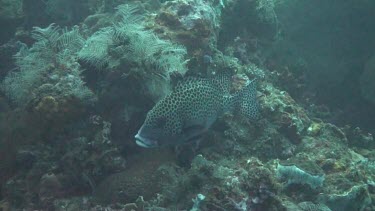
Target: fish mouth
{"x": 144, "y": 142}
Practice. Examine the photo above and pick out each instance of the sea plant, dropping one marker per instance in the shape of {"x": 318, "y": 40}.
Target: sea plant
{"x": 51, "y": 61}
{"x": 127, "y": 39}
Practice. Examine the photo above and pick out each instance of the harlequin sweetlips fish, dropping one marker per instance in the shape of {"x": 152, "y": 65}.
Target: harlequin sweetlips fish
{"x": 187, "y": 113}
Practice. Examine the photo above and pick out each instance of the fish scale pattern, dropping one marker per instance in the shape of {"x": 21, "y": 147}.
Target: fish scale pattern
{"x": 193, "y": 100}
{"x": 249, "y": 106}
{"x": 194, "y": 105}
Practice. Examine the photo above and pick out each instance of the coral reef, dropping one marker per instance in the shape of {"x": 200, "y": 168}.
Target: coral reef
{"x": 137, "y": 180}
{"x": 75, "y": 92}
{"x": 53, "y": 55}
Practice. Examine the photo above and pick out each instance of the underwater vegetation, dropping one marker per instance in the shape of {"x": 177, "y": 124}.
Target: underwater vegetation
{"x": 196, "y": 105}
{"x": 128, "y": 39}
{"x": 48, "y": 66}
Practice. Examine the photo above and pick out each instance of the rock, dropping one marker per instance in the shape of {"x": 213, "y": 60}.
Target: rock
{"x": 357, "y": 198}
{"x": 142, "y": 178}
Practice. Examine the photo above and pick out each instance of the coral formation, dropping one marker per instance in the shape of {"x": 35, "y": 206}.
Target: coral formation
{"x": 48, "y": 67}
{"x": 295, "y": 175}
{"x": 75, "y": 92}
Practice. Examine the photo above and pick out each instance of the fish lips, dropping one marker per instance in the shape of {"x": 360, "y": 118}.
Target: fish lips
{"x": 145, "y": 142}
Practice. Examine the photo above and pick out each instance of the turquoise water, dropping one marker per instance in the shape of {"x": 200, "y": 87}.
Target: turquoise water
{"x": 238, "y": 105}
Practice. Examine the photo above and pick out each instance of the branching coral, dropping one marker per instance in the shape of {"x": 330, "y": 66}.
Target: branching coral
{"x": 51, "y": 60}
{"x": 128, "y": 40}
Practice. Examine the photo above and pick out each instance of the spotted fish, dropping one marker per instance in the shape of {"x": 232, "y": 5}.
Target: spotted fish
{"x": 188, "y": 112}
